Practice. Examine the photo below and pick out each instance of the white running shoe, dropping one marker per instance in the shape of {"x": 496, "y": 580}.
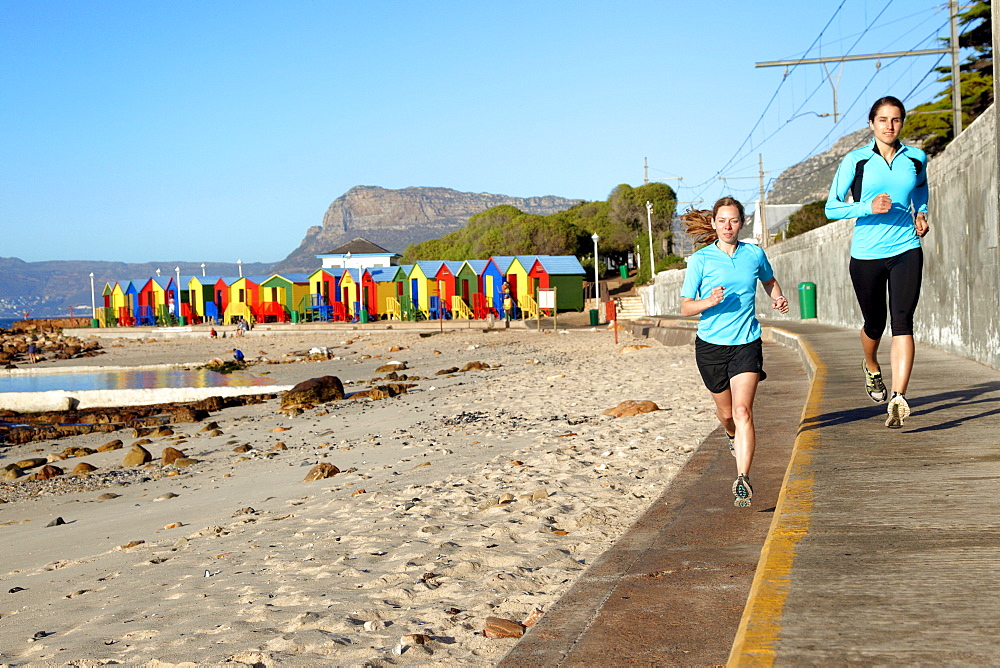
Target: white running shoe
{"x": 742, "y": 491}
{"x": 898, "y": 410}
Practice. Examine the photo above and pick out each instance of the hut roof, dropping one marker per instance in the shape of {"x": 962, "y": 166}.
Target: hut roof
{"x": 560, "y": 264}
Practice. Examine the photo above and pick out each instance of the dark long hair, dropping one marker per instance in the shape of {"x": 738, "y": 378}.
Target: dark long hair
{"x": 699, "y": 221}
{"x": 883, "y": 101}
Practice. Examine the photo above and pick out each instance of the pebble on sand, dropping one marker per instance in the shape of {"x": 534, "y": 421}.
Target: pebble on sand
{"x": 171, "y": 455}
{"x": 137, "y": 456}
{"x": 321, "y": 471}
{"x": 497, "y": 627}
{"x": 631, "y": 407}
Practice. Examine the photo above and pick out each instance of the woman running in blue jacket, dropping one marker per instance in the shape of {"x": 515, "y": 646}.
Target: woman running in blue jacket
{"x": 887, "y": 184}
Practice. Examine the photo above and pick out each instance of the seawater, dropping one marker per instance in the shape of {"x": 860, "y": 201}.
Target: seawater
{"x": 138, "y": 379}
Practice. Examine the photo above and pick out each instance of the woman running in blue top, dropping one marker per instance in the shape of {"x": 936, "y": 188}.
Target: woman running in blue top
{"x": 720, "y": 284}
{"x": 887, "y": 182}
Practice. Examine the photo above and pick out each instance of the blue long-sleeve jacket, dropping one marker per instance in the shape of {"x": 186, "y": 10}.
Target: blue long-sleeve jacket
{"x": 865, "y": 174}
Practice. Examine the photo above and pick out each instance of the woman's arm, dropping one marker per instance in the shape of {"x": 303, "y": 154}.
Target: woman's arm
{"x": 691, "y": 307}
{"x": 919, "y": 199}
{"x": 837, "y": 206}
{"x": 773, "y": 290}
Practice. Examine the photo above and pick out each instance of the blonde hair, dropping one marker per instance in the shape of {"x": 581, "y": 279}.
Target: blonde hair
{"x": 699, "y": 221}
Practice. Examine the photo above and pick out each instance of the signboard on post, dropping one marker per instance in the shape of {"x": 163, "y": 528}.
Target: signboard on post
{"x": 547, "y": 300}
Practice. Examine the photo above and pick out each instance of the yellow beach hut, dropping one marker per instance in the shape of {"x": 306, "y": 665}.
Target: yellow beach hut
{"x": 424, "y": 285}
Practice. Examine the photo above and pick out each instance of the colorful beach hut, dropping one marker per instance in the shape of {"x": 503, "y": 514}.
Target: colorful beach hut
{"x": 131, "y": 292}
{"x": 389, "y": 287}
{"x": 406, "y": 303}
{"x": 562, "y": 272}
{"x": 367, "y": 307}
{"x": 423, "y": 286}
{"x": 181, "y": 311}
{"x": 201, "y": 294}
{"x": 117, "y": 306}
{"x": 347, "y": 294}
{"x": 446, "y": 278}
{"x": 152, "y": 307}
{"x": 493, "y": 279}
{"x": 469, "y": 284}
{"x": 244, "y": 300}
{"x": 318, "y": 304}
{"x": 280, "y": 295}
{"x": 507, "y": 268}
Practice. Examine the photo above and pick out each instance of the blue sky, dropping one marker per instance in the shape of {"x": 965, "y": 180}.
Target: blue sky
{"x": 211, "y": 130}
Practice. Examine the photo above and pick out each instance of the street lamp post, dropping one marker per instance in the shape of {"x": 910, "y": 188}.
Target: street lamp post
{"x": 649, "y": 226}
{"x": 240, "y": 264}
{"x": 93, "y": 303}
{"x": 597, "y": 283}
{"x": 203, "y": 269}
{"x": 177, "y": 299}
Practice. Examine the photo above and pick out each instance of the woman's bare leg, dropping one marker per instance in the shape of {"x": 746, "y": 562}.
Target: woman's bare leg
{"x": 901, "y": 357}
{"x": 724, "y": 410}
{"x": 744, "y": 388}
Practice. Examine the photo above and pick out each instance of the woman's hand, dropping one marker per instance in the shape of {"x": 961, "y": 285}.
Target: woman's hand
{"x": 882, "y": 203}
{"x": 781, "y": 304}
{"x": 716, "y": 296}
{"x": 921, "y": 224}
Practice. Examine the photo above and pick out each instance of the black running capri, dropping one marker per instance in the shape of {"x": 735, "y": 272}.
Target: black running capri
{"x": 901, "y": 275}
{"x": 718, "y": 364}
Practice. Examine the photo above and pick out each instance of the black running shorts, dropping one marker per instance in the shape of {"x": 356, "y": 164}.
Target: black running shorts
{"x": 718, "y": 364}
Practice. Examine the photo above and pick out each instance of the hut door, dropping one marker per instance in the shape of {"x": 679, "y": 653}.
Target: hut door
{"x": 512, "y": 279}
{"x": 465, "y": 290}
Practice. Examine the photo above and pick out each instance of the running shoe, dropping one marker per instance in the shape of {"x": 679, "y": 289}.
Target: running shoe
{"x": 742, "y": 491}
{"x": 899, "y": 410}
{"x": 732, "y": 445}
{"x": 873, "y": 384}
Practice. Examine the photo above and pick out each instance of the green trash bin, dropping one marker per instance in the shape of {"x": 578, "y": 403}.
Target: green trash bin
{"x": 593, "y": 317}
{"x": 623, "y": 270}
{"x": 364, "y": 315}
{"x": 295, "y": 317}
{"x": 807, "y": 300}
{"x": 94, "y": 322}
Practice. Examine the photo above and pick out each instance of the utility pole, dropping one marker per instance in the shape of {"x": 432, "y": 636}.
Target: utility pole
{"x": 953, "y": 47}
{"x": 645, "y": 174}
{"x": 765, "y": 235}
{"x": 956, "y": 71}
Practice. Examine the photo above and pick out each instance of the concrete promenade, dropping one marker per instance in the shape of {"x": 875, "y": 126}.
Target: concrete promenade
{"x": 884, "y": 547}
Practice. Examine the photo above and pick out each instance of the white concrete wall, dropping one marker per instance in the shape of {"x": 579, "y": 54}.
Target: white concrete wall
{"x": 959, "y": 308}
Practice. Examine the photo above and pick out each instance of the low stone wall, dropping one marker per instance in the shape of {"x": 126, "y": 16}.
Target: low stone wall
{"x": 959, "y": 309}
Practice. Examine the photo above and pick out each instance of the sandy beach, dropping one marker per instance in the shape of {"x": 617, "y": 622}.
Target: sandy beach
{"x": 477, "y": 494}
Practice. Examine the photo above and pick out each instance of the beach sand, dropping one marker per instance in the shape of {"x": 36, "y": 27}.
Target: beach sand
{"x": 237, "y": 559}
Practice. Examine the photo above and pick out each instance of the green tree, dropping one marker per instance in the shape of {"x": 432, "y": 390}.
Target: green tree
{"x": 807, "y": 218}
{"x": 505, "y": 230}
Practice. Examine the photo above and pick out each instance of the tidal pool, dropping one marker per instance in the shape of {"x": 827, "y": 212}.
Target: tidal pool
{"x": 132, "y": 379}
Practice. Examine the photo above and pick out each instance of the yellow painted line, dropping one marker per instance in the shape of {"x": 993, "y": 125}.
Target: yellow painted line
{"x": 760, "y": 627}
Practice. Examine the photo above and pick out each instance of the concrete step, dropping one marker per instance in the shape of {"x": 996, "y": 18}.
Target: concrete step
{"x": 631, "y": 308}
